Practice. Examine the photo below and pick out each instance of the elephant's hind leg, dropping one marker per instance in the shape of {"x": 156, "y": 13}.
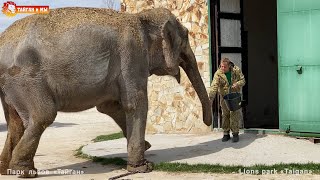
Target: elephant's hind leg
{"x": 37, "y": 106}
{"x": 14, "y": 134}
{"x": 114, "y": 110}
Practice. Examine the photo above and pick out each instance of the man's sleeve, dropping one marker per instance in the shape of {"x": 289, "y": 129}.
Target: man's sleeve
{"x": 242, "y": 80}
{"x": 214, "y": 87}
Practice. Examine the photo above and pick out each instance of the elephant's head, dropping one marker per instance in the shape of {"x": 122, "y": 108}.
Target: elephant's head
{"x": 169, "y": 48}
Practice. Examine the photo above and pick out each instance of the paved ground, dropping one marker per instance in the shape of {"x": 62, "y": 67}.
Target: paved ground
{"x": 71, "y": 130}
{"x": 250, "y": 150}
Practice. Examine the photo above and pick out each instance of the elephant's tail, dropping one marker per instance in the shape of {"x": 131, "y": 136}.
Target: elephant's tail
{"x": 5, "y": 106}
{"x": 11, "y": 114}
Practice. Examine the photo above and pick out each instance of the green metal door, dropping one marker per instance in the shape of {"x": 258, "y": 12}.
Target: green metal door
{"x": 299, "y": 65}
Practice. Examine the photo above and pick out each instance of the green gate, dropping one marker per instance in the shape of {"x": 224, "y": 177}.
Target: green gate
{"x": 299, "y": 65}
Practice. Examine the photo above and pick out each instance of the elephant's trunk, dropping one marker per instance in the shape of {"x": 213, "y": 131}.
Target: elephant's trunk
{"x": 191, "y": 69}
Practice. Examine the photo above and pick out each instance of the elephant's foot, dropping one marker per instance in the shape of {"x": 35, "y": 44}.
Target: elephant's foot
{"x": 144, "y": 167}
{"x": 27, "y": 171}
{"x": 147, "y": 145}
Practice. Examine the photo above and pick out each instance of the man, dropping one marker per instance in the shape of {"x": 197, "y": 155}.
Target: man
{"x": 227, "y": 75}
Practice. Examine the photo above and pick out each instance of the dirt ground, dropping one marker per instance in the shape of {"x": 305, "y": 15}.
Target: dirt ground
{"x": 71, "y": 130}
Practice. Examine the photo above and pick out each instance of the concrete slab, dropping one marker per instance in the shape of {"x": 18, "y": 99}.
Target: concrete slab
{"x": 192, "y": 149}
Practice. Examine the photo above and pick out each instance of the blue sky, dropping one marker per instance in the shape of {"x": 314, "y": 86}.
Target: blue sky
{"x": 7, "y": 21}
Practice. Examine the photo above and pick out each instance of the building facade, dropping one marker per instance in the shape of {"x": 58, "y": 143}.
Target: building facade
{"x": 276, "y": 45}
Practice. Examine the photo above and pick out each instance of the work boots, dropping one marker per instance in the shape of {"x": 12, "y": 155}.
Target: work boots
{"x": 226, "y": 137}
{"x": 235, "y": 137}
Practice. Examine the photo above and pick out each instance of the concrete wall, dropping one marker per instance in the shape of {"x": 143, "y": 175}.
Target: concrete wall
{"x": 261, "y": 24}
{"x": 173, "y": 107}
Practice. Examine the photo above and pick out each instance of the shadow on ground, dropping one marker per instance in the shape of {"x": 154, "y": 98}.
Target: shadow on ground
{"x": 186, "y": 152}
{"x": 167, "y": 155}
{"x": 161, "y": 155}
{"x": 58, "y": 124}
{"x": 3, "y": 127}
{"x": 87, "y": 167}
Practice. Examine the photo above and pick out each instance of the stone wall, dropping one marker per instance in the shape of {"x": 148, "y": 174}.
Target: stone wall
{"x": 173, "y": 107}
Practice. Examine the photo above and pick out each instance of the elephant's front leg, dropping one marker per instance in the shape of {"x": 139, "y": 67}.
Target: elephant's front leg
{"x": 114, "y": 109}
{"x": 136, "y": 117}
{"x": 133, "y": 82}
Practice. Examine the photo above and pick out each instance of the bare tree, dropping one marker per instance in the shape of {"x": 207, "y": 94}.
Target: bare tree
{"x": 112, "y": 4}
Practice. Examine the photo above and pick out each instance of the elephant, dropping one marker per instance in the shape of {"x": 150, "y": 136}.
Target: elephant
{"x": 74, "y": 59}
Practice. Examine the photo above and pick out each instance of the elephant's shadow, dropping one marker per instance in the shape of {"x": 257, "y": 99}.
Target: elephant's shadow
{"x": 201, "y": 149}
{"x": 59, "y": 124}
{"x": 173, "y": 154}
{"x": 3, "y": 127}
{"x": 192, "y": 151}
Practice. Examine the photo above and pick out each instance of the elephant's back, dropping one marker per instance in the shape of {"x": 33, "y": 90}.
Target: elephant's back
{"x": 17, "y": 31}
{"x": 63, "y": 19}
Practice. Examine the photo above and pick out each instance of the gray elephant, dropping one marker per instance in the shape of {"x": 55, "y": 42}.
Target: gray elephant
{"x": 74, "y": 59}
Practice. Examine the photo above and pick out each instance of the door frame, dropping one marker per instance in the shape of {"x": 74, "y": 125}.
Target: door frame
{"x": 215, "y": 15}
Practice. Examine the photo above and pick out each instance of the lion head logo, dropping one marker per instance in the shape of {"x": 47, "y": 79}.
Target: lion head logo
{"x": 9, "y": 8}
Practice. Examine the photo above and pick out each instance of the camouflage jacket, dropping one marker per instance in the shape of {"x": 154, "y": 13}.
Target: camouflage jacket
{"x": 221, "y": 85}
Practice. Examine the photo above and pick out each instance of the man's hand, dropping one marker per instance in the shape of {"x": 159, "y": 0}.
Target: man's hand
{"x": 235, "y": 86}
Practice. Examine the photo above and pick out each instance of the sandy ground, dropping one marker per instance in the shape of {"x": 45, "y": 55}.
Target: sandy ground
{"x": 71, "y": 130}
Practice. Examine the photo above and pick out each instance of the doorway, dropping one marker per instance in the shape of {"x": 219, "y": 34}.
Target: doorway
{"x": 246, "y": 32}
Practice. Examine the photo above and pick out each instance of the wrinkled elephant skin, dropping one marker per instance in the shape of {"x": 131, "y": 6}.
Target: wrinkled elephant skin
{"x": 74, "y": 59}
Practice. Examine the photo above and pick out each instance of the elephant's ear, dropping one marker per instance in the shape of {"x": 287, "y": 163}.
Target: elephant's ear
{"x": 171, "y": 43}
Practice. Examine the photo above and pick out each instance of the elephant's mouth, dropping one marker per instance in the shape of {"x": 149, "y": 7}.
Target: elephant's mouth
{"x": 178, "y": 76}
{"x": 173, "y": 71}
{"x": 168, "y": 71}
{"x": 158, "y": 72}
